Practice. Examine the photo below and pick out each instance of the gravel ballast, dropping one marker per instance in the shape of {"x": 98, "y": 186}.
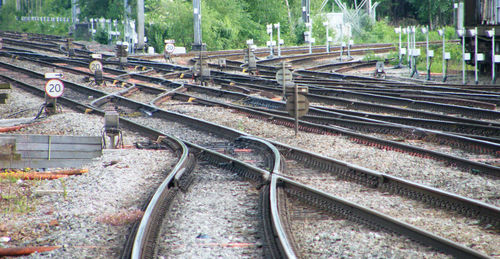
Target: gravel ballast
{"x": 90, "y": 215}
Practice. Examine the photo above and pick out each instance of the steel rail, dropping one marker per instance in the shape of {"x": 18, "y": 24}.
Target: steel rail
{"x": 432, "y": 239}
{"x": 467, "y": 142}
{"x": 465, "y": 126}
{"x": 147, "y": 228}
{"x": 381, "y": 143}
{"x": 487, "y": 214}
{"x": 348, "y": 103}
{"x": 474, "y": 167}
{"x": 283, "y": 243}
{"x": 373, "y": 219}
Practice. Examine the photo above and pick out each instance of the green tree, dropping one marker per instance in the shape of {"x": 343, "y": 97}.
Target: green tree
{"x": 433, "y": 12}
{"x": 109, "y": 9}
{"x": 8, "y": 16}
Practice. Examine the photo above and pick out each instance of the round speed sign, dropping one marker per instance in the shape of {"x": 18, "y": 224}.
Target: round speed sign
{"x": 169, "y": 47}
{"x": 54, "y": 88}
{"x": 95, "y": 65}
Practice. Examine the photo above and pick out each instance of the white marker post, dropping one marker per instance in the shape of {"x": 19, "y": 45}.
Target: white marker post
{"x": 309, "y": 34}
{"x": 277, "y": 27}
{"x": 491, "y": 34}
{"x": 408, "y": 46}
{"x": 269, "y": 28}
{"x": 349, "y": 41}
{"x": 441, "y": 33}
{"x": 398, "y": 31}
{"x": 425, "y": 31}
{"x": 473, "y": 33}
{"x": 341, "y": 41}
{"x": 326, "y": 24}
{"x": 461, "y": 33}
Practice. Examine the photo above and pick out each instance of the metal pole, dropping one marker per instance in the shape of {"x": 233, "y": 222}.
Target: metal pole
{"x": 279, "y": 39}
{"x": 327, "y": 42}
{"x": 125, "y": 21}
{"x": 414, "y": 58}
{"x": 271, "y": 41}
{"x": 475, "y": 57}
{"x": 400, "y": 54}
{"x": 140, "y": 23}
{"x": 310, "y": 38}
{"x": 349, "y": 42}
{"x": 283, "y": 82}
{"x": 296, "y": 103}
{"x": 444, "y": 59}
{"x": 269, "y": 29}
{"x": 427, "y": 54}
{"x": 341, "y": 41}
{"x": 463, "y": 56}
{"x": 408, "y": 33}
{"x": 493, "y": 78}
{"x": 73, "y": 12}
{"x": 197, "y": 45}
{"x": 92, "y": 28}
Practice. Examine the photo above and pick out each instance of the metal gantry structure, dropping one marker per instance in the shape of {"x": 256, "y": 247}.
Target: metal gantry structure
{"x": 198, "y": 41}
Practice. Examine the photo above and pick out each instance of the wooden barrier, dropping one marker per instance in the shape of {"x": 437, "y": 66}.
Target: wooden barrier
{"x": 42, "y": 151}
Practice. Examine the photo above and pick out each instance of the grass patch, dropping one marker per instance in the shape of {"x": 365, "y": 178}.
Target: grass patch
{"x": 16, "y": 197}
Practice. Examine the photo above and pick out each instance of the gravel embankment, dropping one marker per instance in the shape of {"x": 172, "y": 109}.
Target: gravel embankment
{"x": 88, "y": 215}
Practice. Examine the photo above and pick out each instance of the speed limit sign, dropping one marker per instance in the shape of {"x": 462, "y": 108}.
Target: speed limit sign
{"x": 95, "y": 65}
{"x": 54, "y": 88}
{"x": 169, "y": 47}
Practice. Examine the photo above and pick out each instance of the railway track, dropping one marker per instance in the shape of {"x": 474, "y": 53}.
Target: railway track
{"x": 278, "y": 183}
{"x": 475, "y": 146}
{"x": 479, "y": 146}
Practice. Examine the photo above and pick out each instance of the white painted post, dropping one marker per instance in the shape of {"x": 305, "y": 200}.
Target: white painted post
{"x": 408, "y": 46}
{"x": 269, "y": 28}
{"x": 476, "y": 79}
{"x": 309, "y": 25}
{"x": 326, "y": 39}
{"x": 425, "y": 30}
{"x": 277, "y": 26}
{"x": 491, "y": 34}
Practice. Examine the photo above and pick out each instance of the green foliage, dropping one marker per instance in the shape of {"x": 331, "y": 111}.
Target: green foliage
{"x": 45, "y": 28}
{"x": 101, "y": 36}
{"x": 319, "y": 30}
{"x": 379, "y": 32}
{"x": 227, "y": 24}
{"x": 299, "y": 33}
{"x": 432, "y": 12}
{"x": 111, "y": 9}
{"x": 8, "y": 17}
{"x": 156, "y": 34}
